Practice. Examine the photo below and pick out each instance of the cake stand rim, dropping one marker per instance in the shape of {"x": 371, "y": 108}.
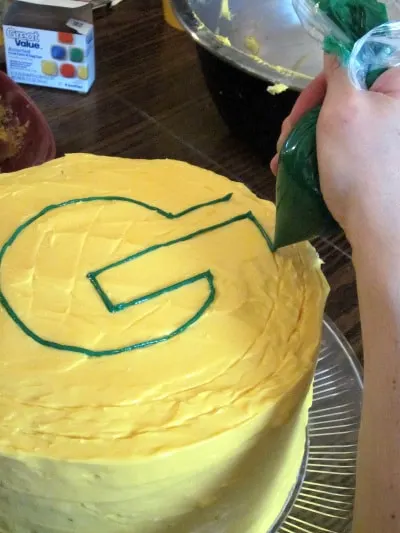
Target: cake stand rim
{"x": 283, "y": 522}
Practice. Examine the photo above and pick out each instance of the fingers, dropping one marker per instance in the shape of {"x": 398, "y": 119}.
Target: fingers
{"x": 334, "y": 87}
{"x": 274, "y": 164}
{"x": 332, "y": 82}
{"x": 388, "y": 83}
{"x": 285, "y": 130}
{"x": 333, "y": 71}
{"x": 338, "y": 83}
{"x": 310, "y": 97}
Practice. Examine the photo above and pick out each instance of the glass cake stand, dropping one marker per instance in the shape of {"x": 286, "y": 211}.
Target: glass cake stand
{"x": 322, "y": 501}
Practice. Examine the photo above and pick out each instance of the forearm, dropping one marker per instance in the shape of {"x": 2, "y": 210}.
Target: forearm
{"x": 378, "y": 473}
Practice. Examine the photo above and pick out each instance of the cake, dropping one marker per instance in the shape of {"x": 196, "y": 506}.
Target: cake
{"x": 156, "y": 356}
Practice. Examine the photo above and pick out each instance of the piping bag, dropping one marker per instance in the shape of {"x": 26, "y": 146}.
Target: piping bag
{"x": 359, "y": 34}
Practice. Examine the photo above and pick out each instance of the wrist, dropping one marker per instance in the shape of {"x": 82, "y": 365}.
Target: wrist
{"x": 376, "y": 258}
{"x": 377, "y": 261}
{"x": 374, "y": 236}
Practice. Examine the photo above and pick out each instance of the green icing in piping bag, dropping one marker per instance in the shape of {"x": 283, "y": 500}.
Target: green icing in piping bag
{"x": 301, "y": 211}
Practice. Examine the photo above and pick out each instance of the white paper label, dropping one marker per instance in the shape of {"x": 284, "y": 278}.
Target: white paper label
{"x": 80, "y": 26}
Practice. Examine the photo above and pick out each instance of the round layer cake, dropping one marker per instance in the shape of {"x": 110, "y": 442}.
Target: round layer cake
{"x": 156, "y": 356}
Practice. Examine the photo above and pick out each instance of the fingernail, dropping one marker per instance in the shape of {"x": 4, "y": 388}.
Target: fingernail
{"x": 281, "y": 140}
{"x": 286, "y": 129}
{"x": 274, "y": 164}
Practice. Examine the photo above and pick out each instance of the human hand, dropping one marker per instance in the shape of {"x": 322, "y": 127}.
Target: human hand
{"x": 358, "y": 148}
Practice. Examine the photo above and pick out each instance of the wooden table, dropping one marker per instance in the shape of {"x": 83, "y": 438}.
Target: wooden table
{"x": 150, "y": 101}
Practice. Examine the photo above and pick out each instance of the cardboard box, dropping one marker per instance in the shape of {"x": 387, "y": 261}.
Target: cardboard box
{"x": 50, "y": 43}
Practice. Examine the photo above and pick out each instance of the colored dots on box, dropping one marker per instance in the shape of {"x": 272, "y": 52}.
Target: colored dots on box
{"x": 58, "y": 59}
{"x": 67, "y": 70}
{"x": 58, "y": 52}
{"x": 83, "y": 73}
{"x": 65, "y": 38}
{"x": 49, "y": 68}
{"x": 76, "y": 55}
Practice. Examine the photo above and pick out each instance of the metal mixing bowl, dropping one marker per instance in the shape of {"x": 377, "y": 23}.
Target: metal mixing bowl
{"x": 243, "y": 52}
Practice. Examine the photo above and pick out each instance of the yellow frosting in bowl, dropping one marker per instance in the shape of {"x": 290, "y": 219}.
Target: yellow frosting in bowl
{"x": 149, "y": 341}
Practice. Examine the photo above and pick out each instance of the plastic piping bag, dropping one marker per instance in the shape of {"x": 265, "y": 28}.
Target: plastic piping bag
{"x": 366, "y": 44}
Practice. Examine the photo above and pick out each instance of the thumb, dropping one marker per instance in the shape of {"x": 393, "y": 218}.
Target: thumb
{"x": 338, "y": 83}
{"x": 388, "y": 83}
{"x": 339, "y": 86}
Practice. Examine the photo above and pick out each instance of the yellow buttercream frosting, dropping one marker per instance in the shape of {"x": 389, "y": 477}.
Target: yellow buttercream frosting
{"x": 224, "y": 40}
{"x": 156, "y": 356}
{"x": 225, "y": 10}
{"x": 278, "y": 88}
{"x": 252, "y": 44}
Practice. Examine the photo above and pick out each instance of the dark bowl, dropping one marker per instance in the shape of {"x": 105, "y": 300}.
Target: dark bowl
{"x": 249, "y": 110}
{"x": 38, "y": 144}
{"x": 238, "y": 75}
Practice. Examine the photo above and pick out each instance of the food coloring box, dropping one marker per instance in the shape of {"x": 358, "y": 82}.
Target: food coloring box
{"x": 50, "y": 43}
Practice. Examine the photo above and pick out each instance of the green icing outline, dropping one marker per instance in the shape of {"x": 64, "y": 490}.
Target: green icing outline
{"x": 93, "y": 276}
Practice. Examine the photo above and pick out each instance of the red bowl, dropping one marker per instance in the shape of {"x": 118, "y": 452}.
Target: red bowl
{"x": 38, "y": 144}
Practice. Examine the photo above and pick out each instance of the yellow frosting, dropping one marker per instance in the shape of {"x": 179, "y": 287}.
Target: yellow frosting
{"x": 278, "y": 88}
{"x": 163, "y": 437}
{"x": 252, "y": 44}
{"x": 225, "y": 10}
{"x": 224, "y": 40}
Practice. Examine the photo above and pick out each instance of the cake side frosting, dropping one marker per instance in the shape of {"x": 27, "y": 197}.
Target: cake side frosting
{"x": 146, "y": 329}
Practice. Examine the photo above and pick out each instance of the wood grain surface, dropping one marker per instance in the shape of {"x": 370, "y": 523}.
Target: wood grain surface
{"x": 150, "y": 101}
